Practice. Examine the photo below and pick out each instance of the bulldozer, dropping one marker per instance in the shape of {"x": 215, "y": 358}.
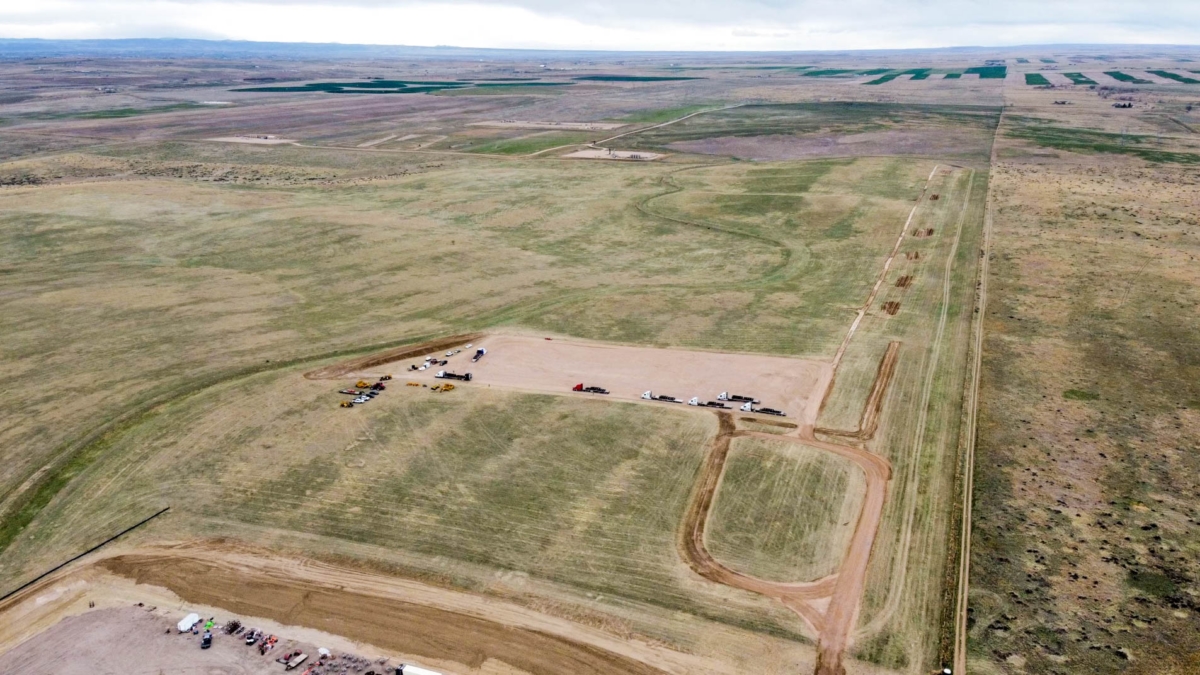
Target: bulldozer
{"x": 447, "y": 387}
{"x": 362, "y": 384}
{"x": 347, "y": 404}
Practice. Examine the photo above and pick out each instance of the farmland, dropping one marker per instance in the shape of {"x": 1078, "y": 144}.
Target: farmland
{"x": 880, "y": 263}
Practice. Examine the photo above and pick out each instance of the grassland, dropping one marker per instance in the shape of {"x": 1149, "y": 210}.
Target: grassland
{"x": 1086, "y": 529}
{"x": 1148, "y": 148}
{"x": 903, "y": 611}
{"x": 784, "y": 513}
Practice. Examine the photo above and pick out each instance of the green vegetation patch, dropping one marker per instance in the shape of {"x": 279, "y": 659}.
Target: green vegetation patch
{"x": 1080, "y": 395}
{"x": 989, "y": 72}
{"x": 951, "y": 76}
{"x": 828, "y": 72}
{"x": 1036, "y": 79}
{"x": 1020, "y": 60}
{"x": 662, "y": 114}
{"x": 1089, "y": 141}
{"x": 1048, "y": 61}
{"x": 1126, "y": 77}
{"x": 875, "y": 71}
{"x": 365, "y": 86}
{"x": 1174, "y": 76}
{"x": 1079, "y": 78}
{"x": 633, "y": 78}
{"x": 526, "y": 145}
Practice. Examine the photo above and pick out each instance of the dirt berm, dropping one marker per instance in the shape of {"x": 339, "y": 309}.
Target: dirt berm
{"x": 340, "y": 369}
{"x": 387, "y": 623}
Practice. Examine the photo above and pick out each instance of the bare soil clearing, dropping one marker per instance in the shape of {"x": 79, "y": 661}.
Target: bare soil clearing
{"x": 555, "y": 365}
{"x": 625, "y": 155}
{"x": 254, "y": 140}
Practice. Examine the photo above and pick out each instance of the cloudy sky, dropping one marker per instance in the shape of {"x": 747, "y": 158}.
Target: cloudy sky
{"x": 619, "y": 24}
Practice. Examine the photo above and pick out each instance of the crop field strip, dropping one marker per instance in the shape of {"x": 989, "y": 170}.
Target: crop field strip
{"x": 1126, "y": 78}
{"x": 1168, "y": 75}
{"x": 1079, "y": 78}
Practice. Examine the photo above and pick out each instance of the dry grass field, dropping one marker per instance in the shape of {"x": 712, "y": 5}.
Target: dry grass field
{"x": 164, "y": 296}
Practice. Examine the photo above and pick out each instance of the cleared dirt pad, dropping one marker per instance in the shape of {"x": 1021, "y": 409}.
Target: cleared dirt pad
{"x": 626, "y": 155}
{"x": 130, "y": 640}
{"x": 254, "y": 140}
{"x": 386, "y": 623}
{"x": 536, "y": 364}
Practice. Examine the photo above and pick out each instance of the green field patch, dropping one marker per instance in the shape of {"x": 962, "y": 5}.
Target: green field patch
{"x": 1079, "y": 78}
{"x": 1089, "y": 141}
{"x": 662, "y": 114}
{"x": 1182, "y": 79}
{"x": 784, "y": 512}
{"x": 988, "y": 72}
{"x": 952, "y": 76}
{"x": 917, "y": 74}
{"x": 1036, "y": 79}
{"x": 633, "y": 78}
{"x": 1126, "y": 77}
{"x": 1048, "y": 61}
{"x": 828, "y": 72}
{"x": 875, "y": 71}
{"x": 364, "y": 86}
{"x": 529, "y": 144}
{"x": 1080, "y": 395}
{"x": 1021, "y": 60}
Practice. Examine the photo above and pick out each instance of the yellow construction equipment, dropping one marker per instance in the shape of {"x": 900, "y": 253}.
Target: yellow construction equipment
{"x": 414, "y": 384}
{"x": 347, "y": 404}
{"x": 436, "y": 387}
{"x": 362, "y": 383}
{"x": 447, "y": 387}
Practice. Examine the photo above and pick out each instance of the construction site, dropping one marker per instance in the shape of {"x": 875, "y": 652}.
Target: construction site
{"x": 367, "y": 385}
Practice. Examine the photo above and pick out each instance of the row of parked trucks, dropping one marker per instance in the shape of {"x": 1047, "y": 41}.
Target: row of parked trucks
{"x": 748, "y": 403}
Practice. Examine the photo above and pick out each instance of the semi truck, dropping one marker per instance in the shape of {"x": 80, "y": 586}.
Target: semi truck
{"x": 447, "y": 375}
{"x": 726, "y": 396}
{"x": 589, "y": 390}
{"x": 479, "y": 353}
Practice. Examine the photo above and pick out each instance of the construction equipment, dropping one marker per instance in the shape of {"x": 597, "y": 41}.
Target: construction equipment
{"x": 589, "y": 390}
{"x": 378, "y": 386}
{"x": 479, "y": 353}
{"x": 362, "y": 384}
{"x": 385, "y": 378}
{"x": 726, "y": 396}
{"x": 295, "y": 661}
{"x": 347, "y": 404}
{"x": 447, "y": 387}
{"x": 413, "y": 384}
{"x": 447, "y": 375}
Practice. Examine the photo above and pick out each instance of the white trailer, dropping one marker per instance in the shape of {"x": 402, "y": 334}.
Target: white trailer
{"x": 406, "y": 669}
{"x": 189, "y": 622}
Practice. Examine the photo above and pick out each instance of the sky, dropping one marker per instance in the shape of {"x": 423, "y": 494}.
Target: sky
{"x": 619, "y": 24}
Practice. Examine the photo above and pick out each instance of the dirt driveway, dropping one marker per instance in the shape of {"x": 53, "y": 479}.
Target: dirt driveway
{"x": 554, "y": 366}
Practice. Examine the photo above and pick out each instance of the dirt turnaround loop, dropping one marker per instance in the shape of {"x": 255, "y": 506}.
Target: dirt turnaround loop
{"x": 385, "y": 622}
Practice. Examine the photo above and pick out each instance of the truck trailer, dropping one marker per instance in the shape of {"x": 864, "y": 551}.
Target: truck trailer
{"x": 447, "y": 375}
{"x": 405, "y": 669}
